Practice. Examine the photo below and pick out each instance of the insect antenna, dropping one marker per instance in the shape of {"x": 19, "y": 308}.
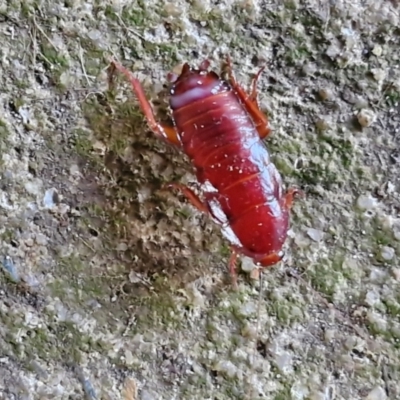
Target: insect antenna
{"x": 249, "y": 392}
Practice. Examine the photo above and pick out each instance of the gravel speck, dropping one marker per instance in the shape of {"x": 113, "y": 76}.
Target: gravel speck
{"x": 366, "y": 118}
{"x": 378, "y": 393}
{"x": 366, "y": 202}
{"x": 50, "y": 198}
{"x": 315, "y": 234}
{"x": 387, "y": 253}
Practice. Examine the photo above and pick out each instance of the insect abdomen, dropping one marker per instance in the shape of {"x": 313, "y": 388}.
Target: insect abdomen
{"x": 219, "y": 137}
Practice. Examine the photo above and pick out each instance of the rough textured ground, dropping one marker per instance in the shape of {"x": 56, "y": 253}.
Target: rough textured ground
{"x": 113, "y": 288}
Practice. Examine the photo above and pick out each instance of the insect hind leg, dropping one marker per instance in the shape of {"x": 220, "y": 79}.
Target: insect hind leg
{"x": 195, "y": 201}
{"x": 190, "y": 195}
{"x": 166, "y": 132}
{"x": 232, "y": 267}
{"x": 204, "y": 207}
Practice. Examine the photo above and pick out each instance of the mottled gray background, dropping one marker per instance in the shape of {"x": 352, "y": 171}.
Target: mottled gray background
{"x": 112, "y": 288}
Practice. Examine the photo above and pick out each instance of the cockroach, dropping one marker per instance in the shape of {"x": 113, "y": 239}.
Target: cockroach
{"x": 221, "y": 129}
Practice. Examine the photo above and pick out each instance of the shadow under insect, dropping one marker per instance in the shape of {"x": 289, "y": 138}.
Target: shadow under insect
{"x": 154, "y": 226}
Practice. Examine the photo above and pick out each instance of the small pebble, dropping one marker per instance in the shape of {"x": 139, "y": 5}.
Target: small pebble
{"x": 377, "y": 50}
{"x": 396, "y": 232}
{"x": 309, "y": 69}
{"x": 350, "y": 343}
{"x": 97, "y": 37}
{"x": 299, "y": 391}
{"x": 128, "y": 357}
{"x": 385, "y": 221}
{"x": 361, "y": 103}
{"x": 378, "y": 74}
{"x": 227, "y": 368}
{"x": 378, "y": 393}
{"x": 376, "y": 319}
{"x": 50, "y": 198}
{"x": 25, "y": 114}
{"x": 396, "y": 274}
{"x": 372, "y": 298}
{"x": 172, "y": 9}
{"x": 29, "y": 242}
{"x": 39, "y": 370}
{"x": 377, "y": 275}
{"x": 248, "y": 309}
{"x": 387, "y": 253}
{"x": 89, "y": 389}
{"x": 248, "y": 264}
{"x": 33, "y": 187}
{"x": 41, "y": 239}
{"x": 315, "y": 234}
{"x": 284, "y": 362}
{"x": 366, "y": 202}
{"x": 329, "y": 335}
{"x": 366, "y": 118}
{"x": 325, "y": 94}
{"x": 333, "y": 51}
{"x": 8, "y": 175}
{"x": 362, "y": 84}
{"x": 301, "y": 241}
{"x": 9, "y": 266}
{"x": 250, "y": 332}
{"x": 63, "y": 208}
{"x": 122, "y": 247}
{"x": 255, "y": 274}
{"x": 74, "y": 170}
{"x": 66, "y": 79}
{"x": 99, "y": 147}
{"x": 318, "y": 396}
{"x": 148, "y": 395}
{"x": 322, "y": 124}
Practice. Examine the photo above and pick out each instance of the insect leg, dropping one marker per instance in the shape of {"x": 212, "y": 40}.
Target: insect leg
{"x": 203, "y": 206}
{"x": 289, "y": 196}
{"x": 265, "y": 260}
{"x": 232, "y": 266}
{"x": 253, "y": 95}
{"x": 167, "y": 132}
{"x": 270, "y": 259}
{"x": 191, "y": 196}
{"x": 250, "y": 102}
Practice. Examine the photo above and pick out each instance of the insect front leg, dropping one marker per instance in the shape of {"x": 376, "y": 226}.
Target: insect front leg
{"x": 167, "y": 132}
{"x": 250, "y": 101}
{"x": 265, "y": 260}
{"x": 290, "y": 195}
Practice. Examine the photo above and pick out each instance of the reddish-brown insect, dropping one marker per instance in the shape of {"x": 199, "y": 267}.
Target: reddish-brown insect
{"x": 220, "y": 127}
